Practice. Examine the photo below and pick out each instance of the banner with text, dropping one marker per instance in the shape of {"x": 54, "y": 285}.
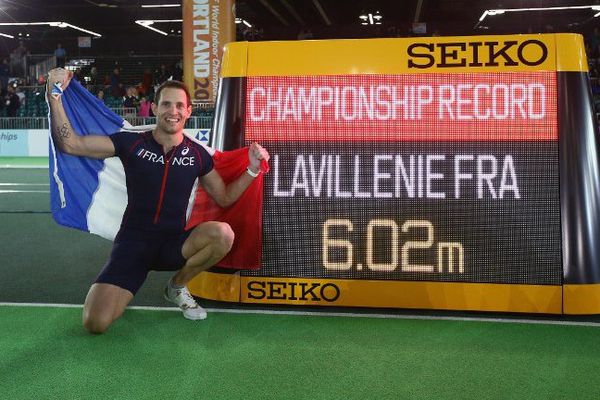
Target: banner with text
{"x": 207, "y": 26}
{"x": 432, "y": 107}
{"x": 23, "y": 143}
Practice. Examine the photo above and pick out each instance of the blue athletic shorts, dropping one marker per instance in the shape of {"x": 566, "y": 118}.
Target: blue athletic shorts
{"x": 136, "y": 252}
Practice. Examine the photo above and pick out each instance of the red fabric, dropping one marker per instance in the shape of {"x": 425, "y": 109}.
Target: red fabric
{"x": 244, "y": 217}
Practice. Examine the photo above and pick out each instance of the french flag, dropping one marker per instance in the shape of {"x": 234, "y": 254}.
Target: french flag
{"x": 90, "y": 195}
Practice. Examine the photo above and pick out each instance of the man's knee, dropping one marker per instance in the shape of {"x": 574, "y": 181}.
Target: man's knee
{"x": 96, "y": 322}
{"x": 104, "y": 304}
{"x": 222, "y": 236}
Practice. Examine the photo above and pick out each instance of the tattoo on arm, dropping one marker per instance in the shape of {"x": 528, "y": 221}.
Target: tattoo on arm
{"x": 64, "y": 132}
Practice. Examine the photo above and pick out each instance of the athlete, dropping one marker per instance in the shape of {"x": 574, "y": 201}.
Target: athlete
{"x": 161, "y": 168}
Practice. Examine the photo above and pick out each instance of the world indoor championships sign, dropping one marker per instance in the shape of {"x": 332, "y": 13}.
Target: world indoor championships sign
{"x": 207, "y": 26}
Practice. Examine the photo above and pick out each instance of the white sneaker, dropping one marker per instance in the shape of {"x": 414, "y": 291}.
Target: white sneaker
{"x": 185, "y": 301}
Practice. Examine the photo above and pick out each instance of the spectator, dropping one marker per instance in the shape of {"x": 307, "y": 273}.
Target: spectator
{"x": 12, "y": 102}
{"x": 147, "y": 81}
{"x": 61, "y": 56}
{"x": 94, "y": 80}
{"x": 78, "y": 76}
{"x": 21, "y": 95}
{"x": 17, "y": 58}
{"x": 4, "y": 74}
{"x": 140, "y": 90}
{"x": 131, "y": 99}
{"x": 144, "y": 107}
{"x": 116, "y": 87}
{"x": 178, "y": 71}
{"x": 163, "y": 74}
{"x": 100, "y": 95}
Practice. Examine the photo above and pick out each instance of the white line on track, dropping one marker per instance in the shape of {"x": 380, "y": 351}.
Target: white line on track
{"x": 24, "y": 184}
{"x": 337, "y": 314}
{"x": 14, "y": 166}
{"x": 24, "y": 191}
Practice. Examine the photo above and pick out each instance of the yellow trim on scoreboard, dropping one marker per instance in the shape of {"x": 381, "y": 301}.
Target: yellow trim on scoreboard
{"x": 460, "y": 54}
{"x": 368, "y": 293}
{"x": 235, "y": 59}
{"x": 215, "y": 286}
{"x": 581, "y": 299}
{"x": 570, "y": 53}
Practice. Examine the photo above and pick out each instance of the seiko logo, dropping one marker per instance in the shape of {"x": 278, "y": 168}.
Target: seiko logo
{"x": 477, "y": 54}
{"x": 305, "y": 291}
{"x": 160, "y": 159}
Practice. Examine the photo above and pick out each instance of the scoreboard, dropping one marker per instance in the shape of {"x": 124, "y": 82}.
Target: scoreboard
{"x": 442, "y": 173}
{"x": 392, "y": 177}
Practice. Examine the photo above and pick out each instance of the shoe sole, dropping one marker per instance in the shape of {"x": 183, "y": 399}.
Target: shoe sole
{"x": 195, "y": 318}
{"x": 185, "y": 316}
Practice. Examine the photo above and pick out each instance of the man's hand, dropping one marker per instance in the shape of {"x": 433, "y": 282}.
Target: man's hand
{"x": 58, "y": 80}
{"x": 256, "y": 153}
{"x": 226, "y": 195}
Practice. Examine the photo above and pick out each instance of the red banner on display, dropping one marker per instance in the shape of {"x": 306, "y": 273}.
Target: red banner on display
{"x": 428, "y": 107}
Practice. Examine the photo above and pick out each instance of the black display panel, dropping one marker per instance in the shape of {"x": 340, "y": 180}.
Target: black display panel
{"x": 418, "y": 178}
{"x": 472, "y": 212}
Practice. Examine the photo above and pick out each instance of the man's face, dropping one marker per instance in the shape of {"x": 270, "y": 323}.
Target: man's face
{"x": 172, "y": 110}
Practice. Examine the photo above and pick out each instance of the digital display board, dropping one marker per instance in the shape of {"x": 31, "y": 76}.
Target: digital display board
{"x": 438, "y": 177}
{"x": 454, "y": 173}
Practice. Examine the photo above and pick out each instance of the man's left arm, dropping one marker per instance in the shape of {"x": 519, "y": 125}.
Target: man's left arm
{"x": 226, "y": 195}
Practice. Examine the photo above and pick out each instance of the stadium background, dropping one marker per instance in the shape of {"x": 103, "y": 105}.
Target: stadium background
{"x": 45, "y": 353}
{"x": 136, "y": 50}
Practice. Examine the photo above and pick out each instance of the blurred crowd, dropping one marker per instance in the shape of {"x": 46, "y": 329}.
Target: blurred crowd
{"x": 135, "y": 95}
{"x": 115, "y": 93}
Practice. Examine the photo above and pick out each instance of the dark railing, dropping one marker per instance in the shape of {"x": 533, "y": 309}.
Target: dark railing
{"x": 42, "y": 123}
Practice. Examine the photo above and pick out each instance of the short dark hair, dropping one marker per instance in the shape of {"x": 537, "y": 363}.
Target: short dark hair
{"x": 173, "y": 85}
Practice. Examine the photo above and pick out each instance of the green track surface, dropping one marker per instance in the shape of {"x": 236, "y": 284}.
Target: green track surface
{"x": 33, "y": 185}
{"x": 158, "y": 354}
{"x": 44, "y": 262}
{"x": 24, "y": 161}
{"x": 46, "y": 354}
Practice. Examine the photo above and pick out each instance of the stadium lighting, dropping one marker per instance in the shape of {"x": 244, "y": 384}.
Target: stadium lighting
{"x": 147, "y": 23}
{"x": 500, "y": 11}
{"x": 55, "y": 24}
{"x": 243, "y": 21}
{"x": 66, "y": 25}
{"x": 160, "y": 5}
{"x": 7, "y": 35}
{"x": 370, "y": 18}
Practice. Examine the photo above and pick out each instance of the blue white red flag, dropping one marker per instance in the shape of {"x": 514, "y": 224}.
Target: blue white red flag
{"x": 90, "y": 195}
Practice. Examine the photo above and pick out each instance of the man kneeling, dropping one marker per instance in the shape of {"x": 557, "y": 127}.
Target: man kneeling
{"x": 152, "y": 235}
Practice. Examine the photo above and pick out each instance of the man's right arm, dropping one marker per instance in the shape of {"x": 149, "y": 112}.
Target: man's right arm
{"x": 63, "y": 134}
